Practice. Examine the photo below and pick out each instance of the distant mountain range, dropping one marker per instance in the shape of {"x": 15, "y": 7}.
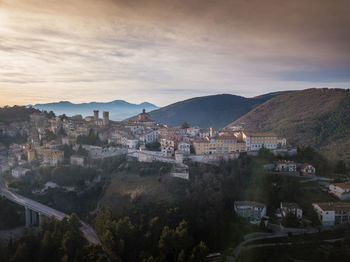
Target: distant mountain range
{"x": 118, "y": 109}
{"x": 311, "y": 117}
{"x": 216, "y": 110}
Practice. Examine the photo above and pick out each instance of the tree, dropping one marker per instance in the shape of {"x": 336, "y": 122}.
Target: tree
{"x": 185, "y": 125}
{"x": 199, "y": 252}
{"x": 154, "y": 146}
{"x": 290, "y": 220}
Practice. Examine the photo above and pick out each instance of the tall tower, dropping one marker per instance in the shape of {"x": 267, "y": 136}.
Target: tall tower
{"x": 105, "y": 118}
{"x": 96, "y": 115}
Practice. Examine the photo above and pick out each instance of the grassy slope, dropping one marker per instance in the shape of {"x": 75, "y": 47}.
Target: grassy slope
{"x": 300, "y": 116}
{"x": 125, "y": 188}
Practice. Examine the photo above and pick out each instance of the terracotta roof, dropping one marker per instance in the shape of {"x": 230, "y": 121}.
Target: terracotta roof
{"x": 345, "y": 185}
{"x": 305, "y": 165}
{"x": 201, "y": 141}
{"x": 334, "y": 206}
{"x": 249, "y": 133}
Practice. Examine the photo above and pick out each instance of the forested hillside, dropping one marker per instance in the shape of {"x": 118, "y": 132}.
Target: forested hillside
{"x": 216, "y": 111}
{"x": 312, "y": 117}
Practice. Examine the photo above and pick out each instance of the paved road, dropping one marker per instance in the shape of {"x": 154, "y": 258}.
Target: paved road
{"x": 87, "y": 230}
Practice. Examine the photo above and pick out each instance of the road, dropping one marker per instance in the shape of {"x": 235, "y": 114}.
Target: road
{"x": 88, "y": 232}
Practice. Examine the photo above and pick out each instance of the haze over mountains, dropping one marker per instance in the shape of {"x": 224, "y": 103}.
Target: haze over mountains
{"x": 119, "y": 109}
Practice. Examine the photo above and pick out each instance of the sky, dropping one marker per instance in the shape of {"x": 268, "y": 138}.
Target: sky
{"x": 163, "y": 51}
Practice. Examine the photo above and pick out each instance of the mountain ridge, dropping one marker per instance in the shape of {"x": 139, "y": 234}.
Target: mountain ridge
{"x": 205, "y": 111}
{"x": 119, "y": 109}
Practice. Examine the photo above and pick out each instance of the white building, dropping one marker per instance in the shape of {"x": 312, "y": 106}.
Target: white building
{"x": 286, "y": 166}
{"x": 255, "y": 141}
{"x": 340, "y": 190}
{"x": 19, "y": 172}
{"x": 291, "y": 208}
{"x": 149, "y": 137}
{"x": 193, "y": 131}
{"x": 333, "y": 213}
{"x": 97, "y": 152}
{"x": 252, "y": 211}
{"x": 77, "y": 160}
{"x": 184, "y": 147}
{"x": 132, "y": 143}
{"x": 168, "y": 151}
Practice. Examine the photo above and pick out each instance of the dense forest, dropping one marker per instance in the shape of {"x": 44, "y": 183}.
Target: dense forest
{"x": 197, "y": 219}
{"x": 60, "y": 241}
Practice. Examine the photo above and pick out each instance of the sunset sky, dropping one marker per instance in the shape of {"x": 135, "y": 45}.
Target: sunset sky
{"x": 162, "y": 51}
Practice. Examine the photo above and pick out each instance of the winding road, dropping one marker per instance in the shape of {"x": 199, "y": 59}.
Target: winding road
{"x": 88, "y": 232}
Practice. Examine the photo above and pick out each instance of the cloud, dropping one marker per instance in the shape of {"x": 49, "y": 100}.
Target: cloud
{"x": 163, "y": 50}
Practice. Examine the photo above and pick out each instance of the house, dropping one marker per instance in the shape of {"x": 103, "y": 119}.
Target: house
{"x": 252, "y": 211}
{"x": 255, "y": 141}
{"x": 149, "y": 137}
{"x": 19, "y": 172}
{"x": 132, "y": 143}
{"x": 184, "y": 147}
{"x": 332, "y": 213}
{"x": 291, "y": 208}
{"x": 52, "y": 157}
{"x": 224, "y": 144}
{"x": 201, "y": 146}
{"x": 165, "y": 142}
{"x": 193, "y": 131}
{"x": 168, "y": 151}
{"x": 286, "y": 166}
{"x": 307, "y": 170}
{"x": 77, "y": 160}
{"x": 340, "y": 190}
{"x": 204, "y": 132}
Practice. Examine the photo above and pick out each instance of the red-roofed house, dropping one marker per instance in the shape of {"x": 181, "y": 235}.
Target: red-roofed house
{"x": 307, "y": 170}
{"x": 340, "y": 190}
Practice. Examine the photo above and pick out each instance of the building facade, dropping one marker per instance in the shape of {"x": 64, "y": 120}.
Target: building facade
{"x": 332, "y": 213}
{"x": 340, "y": 190}
{"x": 252, "y": 211}
{"x": 255, "y": 141}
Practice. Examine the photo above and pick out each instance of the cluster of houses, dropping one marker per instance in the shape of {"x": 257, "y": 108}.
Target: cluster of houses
{"x": 290, "y": 167}
{"x": 255, "y": 212}
{"x": 329, "y": 213}
{"x": 124, "y": 137}
{"x": 133, "y": 136}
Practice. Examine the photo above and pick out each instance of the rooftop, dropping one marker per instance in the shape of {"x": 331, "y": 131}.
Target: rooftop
{"x": 249, "y": 133}
{"x": 334, "y": 206}
{"x": 345, "y": 185}
{"x": 249, "y": 203}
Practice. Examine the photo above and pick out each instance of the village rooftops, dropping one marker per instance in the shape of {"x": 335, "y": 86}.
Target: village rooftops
{"x": 345, "y": 185}
{"x": 305, "y": 165}
{"x": 249, "y": 133}
{"x": 202, "y": 140}
{"x": 334, "y": 206}
{"x": 249, "y": 203}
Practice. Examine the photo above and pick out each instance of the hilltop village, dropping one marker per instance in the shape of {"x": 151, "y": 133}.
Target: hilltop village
{"x": 46, "y": 140}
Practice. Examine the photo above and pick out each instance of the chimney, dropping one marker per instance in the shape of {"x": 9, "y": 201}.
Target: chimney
{"x": 96, "y": 115}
